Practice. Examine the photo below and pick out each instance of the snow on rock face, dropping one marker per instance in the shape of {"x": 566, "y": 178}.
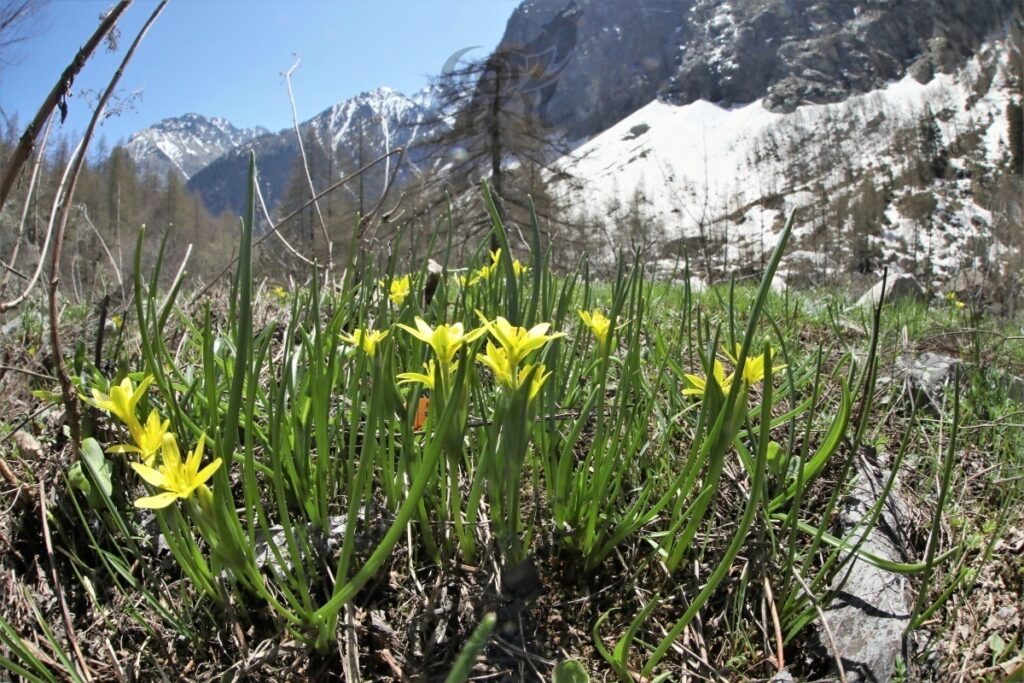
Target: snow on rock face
{"x": 784, "y": 52}
{"x": 186, "y": 144}
{"x": 724, "y": 179}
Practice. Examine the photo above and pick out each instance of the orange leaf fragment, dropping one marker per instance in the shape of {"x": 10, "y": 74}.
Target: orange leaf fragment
{"x": 421, "y": 413}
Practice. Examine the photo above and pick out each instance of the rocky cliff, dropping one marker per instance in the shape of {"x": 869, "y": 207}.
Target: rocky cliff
{"x": 789, "y": 52}
{"x": 794, "y": 52}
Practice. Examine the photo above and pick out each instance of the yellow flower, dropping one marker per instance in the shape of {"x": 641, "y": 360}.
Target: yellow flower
{"x": 497, "y": 360}
{"x": 599, "y": 324}
{"x": 148, "y": 439}
{"x": 518, "y": 268}
{"x": 400, "y": 288}
{"x": 365, "y": 339}
{"x": 279, "y": 292}
{"x": 121, "y": 401}
{"x": 753, "y": 368}
{"x": 444, "y": 339}
{"x": 699, "y": 384}
{"x": 178, "y": 479}
{"x": 539, "y": 378}
{"x": 484, "y": 273}
{"x": 952, "y": 298}
{"x": 518, "y": 342}
{"x": 424, "y": 378}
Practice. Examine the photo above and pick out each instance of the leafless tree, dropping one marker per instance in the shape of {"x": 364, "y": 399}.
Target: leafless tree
{"x": 19, "y": 21}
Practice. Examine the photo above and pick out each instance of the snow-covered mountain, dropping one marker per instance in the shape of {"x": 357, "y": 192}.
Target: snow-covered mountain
{"x": 698, "y": 124}
{"x": 894, "y": 176}
{"x": 337, "y": 141}
{"x": 186, "y": 144}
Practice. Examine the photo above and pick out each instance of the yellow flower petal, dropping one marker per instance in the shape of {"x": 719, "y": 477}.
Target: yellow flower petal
{"x": 157, "y": 502}
{"x": 152, "y": 476}
{"x": 192, "y": 463}
{"x": 204, "y": 474}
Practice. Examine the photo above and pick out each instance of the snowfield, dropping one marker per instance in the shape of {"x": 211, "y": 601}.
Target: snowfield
{"x": 732, "y": 175}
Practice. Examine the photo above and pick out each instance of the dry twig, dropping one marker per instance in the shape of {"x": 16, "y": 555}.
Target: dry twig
{"x": 68, "y": 627}
{"x": 56, "y": 100}
{"x": 70, "y": 397}
{"x": 305, "y": 165}
{"x": 780, "y": 659}
{"x": 24, "y": 211}
{"x": 298, "y": 211}
{"x": 824, "y": 624}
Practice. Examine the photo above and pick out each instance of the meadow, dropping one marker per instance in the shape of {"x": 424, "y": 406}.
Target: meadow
{"x": 485, "y": 470}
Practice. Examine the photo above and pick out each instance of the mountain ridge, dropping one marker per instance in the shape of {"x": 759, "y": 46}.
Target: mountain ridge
{"x": 382, "y": 119}
{"x": 186, "y": 144}
{"x": 778, "y": 60}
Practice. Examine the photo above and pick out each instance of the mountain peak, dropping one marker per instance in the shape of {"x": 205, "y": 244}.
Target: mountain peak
{"x": 186, "y": 144}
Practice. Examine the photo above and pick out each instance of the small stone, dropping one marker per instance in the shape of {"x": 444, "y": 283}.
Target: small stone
{"x": 28, "y": 445}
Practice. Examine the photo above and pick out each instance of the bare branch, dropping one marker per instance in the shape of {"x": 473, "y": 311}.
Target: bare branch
{"x": 305, "y": 163}
{"x": 58, "y": 200}
{"x": 273, "y": 229}
{"x": 70, "y": 397}
{"x": 298, "y": 211}
{"x": 55, "y": 100}
{"x": 28, "y": 203}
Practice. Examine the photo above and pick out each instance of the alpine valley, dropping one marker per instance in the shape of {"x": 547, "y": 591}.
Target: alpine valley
{"x": 694, "y": 127}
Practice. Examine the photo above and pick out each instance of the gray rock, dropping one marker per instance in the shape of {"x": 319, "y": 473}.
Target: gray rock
{"x": 900, "y": 288}
{"x": 925, "y": 376}
{"x": 697, "y": 286}
{"x": 1014, "y": 387}
{"x": 15, "y": 325}
{"x": 801, "y": 51}
{"x": 871, "y": 609}
{"x": 265, "y": 556}
{"x": 327, "y": 543}
{"x": 790, "y": 52}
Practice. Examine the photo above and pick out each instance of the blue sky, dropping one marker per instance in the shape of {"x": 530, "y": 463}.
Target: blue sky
{"x": 226, "y": 57}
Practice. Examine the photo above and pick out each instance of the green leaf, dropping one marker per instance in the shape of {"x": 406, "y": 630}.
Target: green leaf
{"x": 996, "y": 644}
{"x": 47, "y": 396}
{"x": 570, "y": 671}
{"x": 77, "y": 478}
{"x": 461, "y": 669}
{"x": 96, "y": 469}
{"x": 775, "y": 463}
